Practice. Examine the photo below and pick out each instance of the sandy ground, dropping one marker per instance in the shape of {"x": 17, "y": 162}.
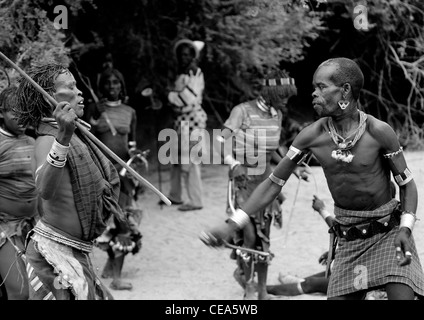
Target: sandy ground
{"x": 174, "y": 264}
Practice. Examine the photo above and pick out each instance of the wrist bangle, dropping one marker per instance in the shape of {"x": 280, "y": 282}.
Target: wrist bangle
{"x": 407, "y": 219}
{"x": 240, "y": 218}
{"x": 325, "y": 214}
{"x": 57, "y": 155}
{"x": 58, "y": 151}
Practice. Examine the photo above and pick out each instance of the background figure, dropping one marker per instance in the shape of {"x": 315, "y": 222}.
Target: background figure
{"x": 185, "y": 97}
{"x": 250, "y": 164}
{"x": 118, "y": 239}
{"x": 18, "y": 198}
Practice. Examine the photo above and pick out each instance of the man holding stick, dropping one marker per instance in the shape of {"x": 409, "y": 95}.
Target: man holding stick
{"x": 78, "y": 187}
{"x": 358, "y": 154}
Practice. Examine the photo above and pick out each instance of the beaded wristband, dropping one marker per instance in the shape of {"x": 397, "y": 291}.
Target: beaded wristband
{"x": 54, "y": 162}
{"x": 57, "y": 155}
{"x": 58, "y": 152}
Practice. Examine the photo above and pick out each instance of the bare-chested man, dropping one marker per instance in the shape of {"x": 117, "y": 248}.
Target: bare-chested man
{"x": 78, "y": 186}
{"x": 358, "y": 154}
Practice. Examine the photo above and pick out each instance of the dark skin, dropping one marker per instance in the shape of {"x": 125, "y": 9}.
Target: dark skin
{"x": 112, "y": 88}
{"x": 15, "y": 285}
{"x": 363, "y": 184}
{"x": 54, "y": 184}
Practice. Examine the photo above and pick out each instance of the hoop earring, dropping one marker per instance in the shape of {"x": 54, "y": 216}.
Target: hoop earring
{"x": 343, "y": 104}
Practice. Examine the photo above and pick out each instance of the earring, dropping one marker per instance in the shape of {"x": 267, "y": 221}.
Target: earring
{"x": 343, "y": 104}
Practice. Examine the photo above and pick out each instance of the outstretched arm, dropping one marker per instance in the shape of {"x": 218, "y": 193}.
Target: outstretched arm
{"x": 264, "y": 194}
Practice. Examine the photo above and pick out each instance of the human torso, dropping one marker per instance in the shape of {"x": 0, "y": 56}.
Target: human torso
{"x": 362, "y": 184}
{"x": 259, "y": 134}
{"x": 60, "y": 210}
{"x": 194, "y": 114}
{"x": 18, "y": 196}
{"x": 121, "y": 117}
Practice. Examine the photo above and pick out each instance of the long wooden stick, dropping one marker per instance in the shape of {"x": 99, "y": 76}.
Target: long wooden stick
{"x": 83, "y": 129}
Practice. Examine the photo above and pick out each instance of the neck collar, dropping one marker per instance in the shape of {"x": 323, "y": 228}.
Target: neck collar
{"x": 7, "y": 133}
{"x": 113, "y": 103}
{"x": 260, "y": 102}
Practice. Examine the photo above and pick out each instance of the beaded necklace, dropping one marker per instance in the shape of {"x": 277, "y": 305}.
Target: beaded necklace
{"x": 343, "y": 152}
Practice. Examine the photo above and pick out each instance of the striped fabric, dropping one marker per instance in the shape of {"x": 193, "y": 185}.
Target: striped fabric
{"x": 57, "y": 271}
{"x": 367, "y": 263}
{"x": 122, "y": 118}
{"x": 95, "y": 183}
{"x": 16, "y": 171}
{"x": 257, "y": 134}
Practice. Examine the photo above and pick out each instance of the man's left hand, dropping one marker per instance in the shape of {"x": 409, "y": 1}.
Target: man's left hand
{"x": 403, "y": 248}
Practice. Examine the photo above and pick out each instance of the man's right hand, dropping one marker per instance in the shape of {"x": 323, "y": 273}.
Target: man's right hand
{"x": 65, "y": 117}
{"x": 215, "y": 237}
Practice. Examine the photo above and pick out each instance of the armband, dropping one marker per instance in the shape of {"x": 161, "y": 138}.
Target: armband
{"x": 276, "y": 180}
{"x": 392, "y": 154}
{"x": 407, "y": 219}
{"x": 240, "y": 218}
{"x": 403, "y": 178}
{"x": 296, "y": 155}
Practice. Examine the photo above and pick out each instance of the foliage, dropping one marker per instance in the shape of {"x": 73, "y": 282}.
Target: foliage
{"x": 391, "y": 54}
{"x": 243, "y": 38}
{"x": 28, "y": 36}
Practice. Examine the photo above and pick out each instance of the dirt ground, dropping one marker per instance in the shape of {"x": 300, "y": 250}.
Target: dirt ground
{"x": 174, "y": 264}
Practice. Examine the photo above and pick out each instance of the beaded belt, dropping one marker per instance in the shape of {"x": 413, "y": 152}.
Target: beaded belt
{"x": 369, "y": 229}
{"x": 48, "y": 233}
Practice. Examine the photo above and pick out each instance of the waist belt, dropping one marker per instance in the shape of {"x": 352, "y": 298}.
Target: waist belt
{"x": 369, "y": 229}
{"x": 44, "y": 231}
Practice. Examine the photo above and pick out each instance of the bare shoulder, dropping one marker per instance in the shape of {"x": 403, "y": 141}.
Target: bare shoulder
{"x": 383, "y": 133}
{"x": 306, "y": 138}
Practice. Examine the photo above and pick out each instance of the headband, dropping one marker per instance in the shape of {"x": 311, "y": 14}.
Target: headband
{"x": 277, "y": 82}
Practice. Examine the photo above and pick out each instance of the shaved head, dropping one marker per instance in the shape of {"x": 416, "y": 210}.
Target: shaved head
{"x": 346, "y": 71}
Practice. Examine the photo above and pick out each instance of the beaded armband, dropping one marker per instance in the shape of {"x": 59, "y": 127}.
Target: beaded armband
{"x": 392, "y": 154}
{"x": 296, "y": 155}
